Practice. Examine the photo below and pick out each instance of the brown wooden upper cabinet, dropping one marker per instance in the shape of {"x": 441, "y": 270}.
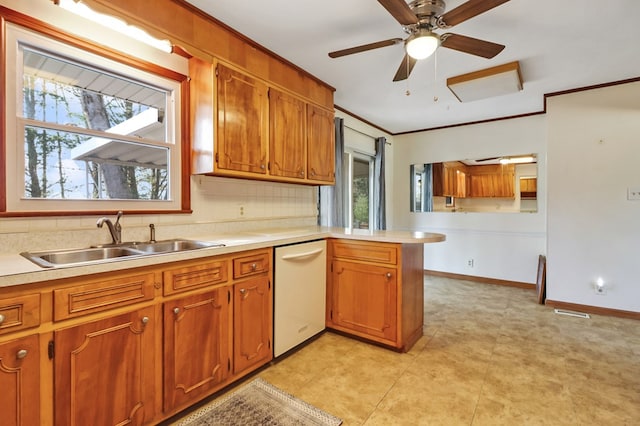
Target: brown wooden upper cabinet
{"x": 455, "y": 179}
{"x": 492, "y": 181}
{"x": 320, "y": 145}
{"x": 242, "y": 122}
{"x": 449, "y": 179}
{"x": 246, "y": 127}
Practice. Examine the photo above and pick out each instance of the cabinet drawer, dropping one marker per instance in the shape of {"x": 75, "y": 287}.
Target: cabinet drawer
{"x": 197, "y": 276}
{"x": 251, "y": 265}
{"x": 365, "y": 251}
{"x": 20, "y": 312}
{"x": 98, "y": 296}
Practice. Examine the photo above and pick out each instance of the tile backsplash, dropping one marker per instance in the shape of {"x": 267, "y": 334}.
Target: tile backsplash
{"x": 220, "y": 205}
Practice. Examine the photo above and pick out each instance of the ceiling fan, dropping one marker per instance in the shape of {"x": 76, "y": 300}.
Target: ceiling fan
{"x": 418, "y": 19}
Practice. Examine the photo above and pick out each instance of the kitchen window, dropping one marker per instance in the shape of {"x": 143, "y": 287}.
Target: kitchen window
{"x": 89, "y": 133}
{"x": 360, "y": 186}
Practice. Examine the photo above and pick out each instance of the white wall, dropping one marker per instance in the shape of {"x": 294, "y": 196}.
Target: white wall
{"x": 594, "y": 231}
{"x": 502, "y": 245}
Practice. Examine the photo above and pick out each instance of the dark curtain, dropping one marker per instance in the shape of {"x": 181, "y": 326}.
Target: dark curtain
{"x": 331, "y": 205}
{"x": 379, "y": 199}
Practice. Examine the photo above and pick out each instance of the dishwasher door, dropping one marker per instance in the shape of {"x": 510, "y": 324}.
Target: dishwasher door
{"x": 299, "y": 293}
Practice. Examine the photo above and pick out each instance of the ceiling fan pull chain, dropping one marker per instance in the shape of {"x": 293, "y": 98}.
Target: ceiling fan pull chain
{"x": 408, "y": 92}
{"x": 435, "y": 77}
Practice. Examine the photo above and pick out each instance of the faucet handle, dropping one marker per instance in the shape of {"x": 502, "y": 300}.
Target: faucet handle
{"x": 152, "y": 233}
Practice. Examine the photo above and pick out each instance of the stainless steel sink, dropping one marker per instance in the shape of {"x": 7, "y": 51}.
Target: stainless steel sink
{"x": 171, "y": 246}
{"x": 87, "y": 256}
{"x": 50, "y": 259}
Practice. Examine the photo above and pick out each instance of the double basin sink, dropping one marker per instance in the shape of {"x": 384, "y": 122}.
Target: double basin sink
{"x": 111, "y": 252}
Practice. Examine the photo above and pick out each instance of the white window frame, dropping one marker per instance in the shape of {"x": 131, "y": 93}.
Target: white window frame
{"x": 14, "y": 129}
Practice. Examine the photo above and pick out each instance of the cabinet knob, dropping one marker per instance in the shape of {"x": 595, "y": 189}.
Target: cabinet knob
{"x": 302, "y": 173}
{"x": 388, "y": 274}
{"x": 145, "y": 320}
{"x": 2, "y": 317}
{"x": 176, "y": 311}
{"x": 22, "y": 353}
{"x": 262, "y": 166}
{"x": 254, "y": 266}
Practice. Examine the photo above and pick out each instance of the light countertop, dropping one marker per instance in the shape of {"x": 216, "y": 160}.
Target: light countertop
{"x": 16, "y": 270}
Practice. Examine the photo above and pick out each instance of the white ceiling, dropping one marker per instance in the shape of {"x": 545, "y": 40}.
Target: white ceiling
{"x": 560, "y": 44}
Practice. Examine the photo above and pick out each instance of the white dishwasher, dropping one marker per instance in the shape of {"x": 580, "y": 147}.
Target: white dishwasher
{"x": 299, "y": 293}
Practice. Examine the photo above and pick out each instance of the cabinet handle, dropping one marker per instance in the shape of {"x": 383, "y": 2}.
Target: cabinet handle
{"x": 302, "y": 173}
{"x": 176, "y": 311}
{"x": 22, "y": 353}
{"x": 145, "y": 320}
{"x": 388, "y": 274}
{"x": 262, "y": 166}
{"x": 2, "y": 317}
{"x": 254, "y": 266}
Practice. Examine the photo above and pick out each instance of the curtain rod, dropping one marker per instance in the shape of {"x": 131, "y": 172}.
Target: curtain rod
{"x": 365, "y": 134}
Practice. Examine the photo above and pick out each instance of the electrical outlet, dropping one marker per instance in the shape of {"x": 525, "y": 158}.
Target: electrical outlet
{"x": 633, "y": 193}
{"x": 470, "y": 263}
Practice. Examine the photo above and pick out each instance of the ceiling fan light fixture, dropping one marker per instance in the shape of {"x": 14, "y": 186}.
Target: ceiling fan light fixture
{"x": 422, "y": 44}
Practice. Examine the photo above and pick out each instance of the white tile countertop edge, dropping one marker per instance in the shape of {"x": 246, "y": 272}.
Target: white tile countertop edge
{"x": 17, "y": 270}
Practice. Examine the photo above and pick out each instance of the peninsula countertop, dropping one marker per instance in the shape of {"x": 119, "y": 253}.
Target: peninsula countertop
{"x": 17, "y": 270}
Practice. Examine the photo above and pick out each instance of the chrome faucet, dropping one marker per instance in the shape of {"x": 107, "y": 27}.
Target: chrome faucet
{"x": 114, "y": 229}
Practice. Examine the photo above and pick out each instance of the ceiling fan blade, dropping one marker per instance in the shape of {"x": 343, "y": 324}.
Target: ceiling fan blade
{"x": 400, "y": 10}
{"x": 406, "y": 66}
{"x": 471, "y": 45}
{"x": 467, "y": 11}
{"x": 365, "y": 47}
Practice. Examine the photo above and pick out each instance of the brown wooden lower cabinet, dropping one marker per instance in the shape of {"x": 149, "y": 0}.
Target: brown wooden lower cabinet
{"x": 375, "y": 291}
{"x": 20, "y": 382}
{"x": 197, "y": 345}
{"x": 133, "y": 347}
{"x": 104, "y": 371}
{"x": 364, "y": 299}
{"x": 253, "y": 324}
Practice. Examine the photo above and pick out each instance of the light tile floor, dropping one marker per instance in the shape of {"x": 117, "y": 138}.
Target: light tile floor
{"x": 490, "y": 355}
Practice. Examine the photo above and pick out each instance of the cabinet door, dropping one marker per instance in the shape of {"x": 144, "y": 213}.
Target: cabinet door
{"x": 104, "y": 371}
{"x": 253, "y": 324}
{"x": 197, "y": 345}
{"x": 320, "y": 145}
{"x": 364, "y": 299}
{"x": 20, "y": 382}
{"x": 461, "y": 184}
{"x": 287, "y": 141}
{"x": 481, "y": 185}
{"x": 450, "y": 181}
{"x": 242, "y": 122}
